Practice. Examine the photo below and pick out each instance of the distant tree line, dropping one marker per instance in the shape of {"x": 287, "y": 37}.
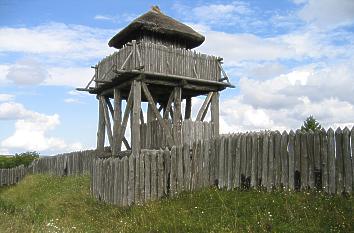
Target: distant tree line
{"x": 25, "y": 158}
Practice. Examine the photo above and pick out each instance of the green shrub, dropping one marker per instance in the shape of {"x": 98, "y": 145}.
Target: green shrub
{"x": 25, "y": 158}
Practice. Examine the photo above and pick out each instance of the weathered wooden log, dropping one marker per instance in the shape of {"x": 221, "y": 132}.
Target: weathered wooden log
{"x": 347, "y": 161}
{"x": 339, "y": 161}
{"x": 291, "y": 153}
{"x": 331, "y": 161}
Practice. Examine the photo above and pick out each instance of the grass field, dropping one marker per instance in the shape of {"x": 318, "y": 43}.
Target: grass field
{"x": 42, "y": 203}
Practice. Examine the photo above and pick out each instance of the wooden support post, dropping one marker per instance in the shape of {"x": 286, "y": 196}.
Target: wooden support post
{"x": 101, "y": 131}
{"x": 117, "y": 118}
{"x": 168, "y": 106}
{"x": 203, "y": 110}
{"x": 135, "y": 118}
{"x": 157, "y": 114}
{"x": 177, "y": 121}
{"x": 188, "y": 109}
{"x": 125, "y": 118}
{"x": 215, "y": 113}
{"x": 107, "y": 120}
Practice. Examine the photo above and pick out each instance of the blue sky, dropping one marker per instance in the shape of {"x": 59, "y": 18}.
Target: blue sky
{"x": 289, "y": 59}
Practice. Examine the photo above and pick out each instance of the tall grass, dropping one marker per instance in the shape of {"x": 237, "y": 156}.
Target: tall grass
{"x": 43, "y": 203}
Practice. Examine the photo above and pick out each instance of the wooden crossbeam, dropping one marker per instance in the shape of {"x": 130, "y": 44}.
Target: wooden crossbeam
{"x": 157, "y": 114}
{"x": 204, "y": 108}
{"x": 188, "y": 109}
{"x": 126, "y": 60}
{"x": 169, "y": 105}
{"x": 107, "y": 121}
{"x": 125, "y": 117}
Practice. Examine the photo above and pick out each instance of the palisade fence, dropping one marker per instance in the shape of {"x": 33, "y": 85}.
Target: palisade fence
{"x": 267, "y": 160}
{"x": 74, "y": 163}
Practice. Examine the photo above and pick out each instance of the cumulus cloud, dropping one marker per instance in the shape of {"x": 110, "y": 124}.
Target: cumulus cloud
{"x": 31, "y": 130}
{"x": 69, "y": 76}
{"x": 6, "y": 97}
{"x": 327, "y": 13}
{"x": 57, "y": 41}
{"x": 27, "y": 72}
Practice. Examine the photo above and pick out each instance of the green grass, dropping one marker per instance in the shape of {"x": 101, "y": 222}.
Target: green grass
{"x": 42, "y": 203}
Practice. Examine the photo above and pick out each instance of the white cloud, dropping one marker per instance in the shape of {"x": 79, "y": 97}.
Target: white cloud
{"x": 72, "y": 101}
{"x": 328, "y": 13}
{"x": 57, "y": 41}
{"x": 31, "y": 131}
{"x": 104, "y": 17}
{"x": 69, "y": 76}
{"x": 27, "y": 72}
{"x": 6, "y": 97}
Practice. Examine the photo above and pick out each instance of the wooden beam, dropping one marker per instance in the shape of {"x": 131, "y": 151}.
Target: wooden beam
{"x": 126, "y": 61}
{"x": 169, "y": 104}
{"x": 188, "y": 109}
{"x": 110, "y": 107}
{"x": 125, "y": 117}
{"x": 215, "y": 113}
{"x": 101, "y": 131}
{"x": 157, "y": 114}
{"x": 126, "y": 144}
{"x": 204, "y": 107}
{"x": 176, "y": 77}
{"x": 107, "y": 121}
{"x": 141, "y": 116}
{"x": 117, "y": 119}
{"x": 135, "y": 117}
{"x": 177, "y": 116}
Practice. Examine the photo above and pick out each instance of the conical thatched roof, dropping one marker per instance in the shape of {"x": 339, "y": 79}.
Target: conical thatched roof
{"x": 156, "y": 22}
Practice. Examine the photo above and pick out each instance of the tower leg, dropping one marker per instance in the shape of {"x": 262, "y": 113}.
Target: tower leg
{"x": 215, "y": 113}
{"x": 101, "y": 131}
{"x": 135, "y": 118}
{"x": 117, "y": 118}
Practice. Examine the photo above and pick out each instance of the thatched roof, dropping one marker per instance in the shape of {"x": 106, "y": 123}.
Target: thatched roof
{"x": 156, "y": 22}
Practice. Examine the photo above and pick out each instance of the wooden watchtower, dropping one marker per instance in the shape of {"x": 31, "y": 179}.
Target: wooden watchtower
{"x": 155, "y": 64}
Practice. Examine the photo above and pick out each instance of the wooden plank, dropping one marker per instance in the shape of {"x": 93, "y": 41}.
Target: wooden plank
{"x": 324, "y": 160}
{"x": 317, "y": 160}
{"x": 270, "y": 180}
{"x": 229, "y": 162}
{"x": 311, "y": 160}
{"x": 173, "y": 181}
{"x": 277, "y": 158}
{"x": 177, "y": 121}
{"x": 137, "y": 191}
{"x": 254, "y": 160}
{"x": 125, "y": 180}
{"x": 352, "y": 148}
{"x": 187, "y": 166}
{"x": 339, "y": 161}
{"x": 291, "y": 163}
{"x": 147, "y": 167}
{"x": 101, "y": 131}
{"x": 167, "y": 167}
{"x": 117, "y": 118}
{"x": 206, "y": 155}
{"x": 160, "y": 174}
{"x": 237, "y": 167}
{"x": 221, "y": 162}
{"x": 153, "y": 155}
{"x": 188, "y": 108}
{"x": 331, "y": 161}
{"x": 297, "y": 159}
{"x": 347, "y": 161}
{"x": 265, "y": 164}
{"x": 131, "y": 180}
{"x": 204, "y": 108}
{"x": 304, "y": 162}
{"x": 135, "y": 118}
{"x": 284, "y": 160}
{"x": 259, "y": 158}
{"x": 179, "y": 158}
{"x": 215, "y": 113}
{"x": 157, "y": 114}
{"x": 243, "y": 159}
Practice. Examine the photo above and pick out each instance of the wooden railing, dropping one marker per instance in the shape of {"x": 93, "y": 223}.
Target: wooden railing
{"x": 157, "y": 58}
